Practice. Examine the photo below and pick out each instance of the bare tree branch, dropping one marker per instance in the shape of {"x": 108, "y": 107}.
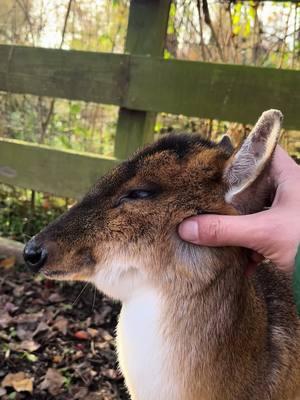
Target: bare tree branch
{"x": 201, "y": 31}
{"x": 28, "y": 19}
{"x": 45, "y": 123}
{"x": 285, "y": 34}
{"x": 208, "y": 21}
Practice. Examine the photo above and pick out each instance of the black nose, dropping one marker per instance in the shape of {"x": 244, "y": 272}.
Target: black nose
{"x": 35, "y": 256}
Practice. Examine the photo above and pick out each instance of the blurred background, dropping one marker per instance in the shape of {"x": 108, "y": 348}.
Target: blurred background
{"x": 66, "y": 352}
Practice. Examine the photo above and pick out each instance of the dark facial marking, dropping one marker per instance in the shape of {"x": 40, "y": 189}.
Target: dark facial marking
{"x": 85, "y": 257}
{"x": 181, "y": 145}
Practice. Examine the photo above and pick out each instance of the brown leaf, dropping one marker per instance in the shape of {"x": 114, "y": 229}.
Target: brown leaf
{"x": 105, "y": 335}
{"x": 10, "y": 307}
{"x": 79, "y": 354}
{"x": 61, "y": 324}
{"x": 110, "y": 373}
{"x": 28, "y": 345}
{"x": 29, "y": 318}
{"x": 80, "y": 393}
{"x": 24, "y": 334}
{"x": 18, "y": 291}
{"x": 92, "y": 332}
{"x": 82, "y": 335}
{"x": 56, "y": 298}
{"x": 100, "y": 318}
{"x": 5, "y": 320}
{"x": 42, "y": 327}
{"x": 52, "y": 382}
{"x": 57, "y": 359}
{"x": 19, "y": 381}
{"x": 8, "y": 262}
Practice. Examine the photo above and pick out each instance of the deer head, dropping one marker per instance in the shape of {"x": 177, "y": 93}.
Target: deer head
{"x": 124, "y": 231}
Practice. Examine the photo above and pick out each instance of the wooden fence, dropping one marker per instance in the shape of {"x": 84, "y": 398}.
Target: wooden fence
{"x": 141, "y": 83}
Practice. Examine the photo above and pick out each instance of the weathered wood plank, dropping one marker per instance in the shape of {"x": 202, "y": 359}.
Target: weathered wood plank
{"x": 12, "y": 248}
{"x": 147, "y": 27}
{"x": 225, "y": 92}
{"x": 65, "y": 74}
{"x": 228, "y": 92}
{"x": 64, "y": 173}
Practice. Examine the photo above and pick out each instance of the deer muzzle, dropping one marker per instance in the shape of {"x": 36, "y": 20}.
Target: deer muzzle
{"x": 35, "y": 255}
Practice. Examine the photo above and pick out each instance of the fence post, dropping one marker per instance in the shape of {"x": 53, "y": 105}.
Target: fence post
{"x": 147, "y": 27}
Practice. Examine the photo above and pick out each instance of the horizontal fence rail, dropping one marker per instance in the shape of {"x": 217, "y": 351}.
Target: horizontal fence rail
{"x": 207, "y": 90}
{"x": 65, "y": 173}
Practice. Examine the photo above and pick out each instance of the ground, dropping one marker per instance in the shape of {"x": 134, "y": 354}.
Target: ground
{"x": 56, "y": 341}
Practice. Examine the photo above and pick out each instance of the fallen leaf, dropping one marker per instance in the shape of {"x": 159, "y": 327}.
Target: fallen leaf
{"x": 42, "y": 327}
{"x": 52, "y": 382}
{"x": 29, "y": 345}
{"x": 8, "y": 262}
{"x": 24, "y": 334}
{"x": 18, "y": 290}
{"x": 105, "y": 335}
{"x": 100, "y": 318}
{"x": 4, "y": 336}
{"x": 79, "y": 354}
{"x": 101, "y": 345}
{"x": 56, "y": 298}
{"x": 61, "y": 325}
{"x": 2, "y": 392}
{"x": 80, "y": 393}
{"x": 82, "y": 335}
{"x": 110, "y": 373}
{"x": 57, "y": 359}
{"x": 94, "y": 396}
{"x": 5, "y": 320}
{"x": 30, "y": 357}
{"x": 92, "y": 332}
{"x": 4, "y": 298}
{"x": 10, "y": 307}
{"x": 19, "y": 381}
{"x": 30, "y": 318}
{"x": 79, "y": 346}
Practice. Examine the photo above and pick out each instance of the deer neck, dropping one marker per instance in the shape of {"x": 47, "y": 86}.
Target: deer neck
{"x": 169, "y": 340}
{"x": 143, "y": 352}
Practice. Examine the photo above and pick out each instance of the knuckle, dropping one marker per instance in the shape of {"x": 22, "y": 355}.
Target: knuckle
{"x": 215, "y": 229}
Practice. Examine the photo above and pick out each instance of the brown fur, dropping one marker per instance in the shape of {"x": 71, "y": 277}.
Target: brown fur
{"x": 233, "y": 337}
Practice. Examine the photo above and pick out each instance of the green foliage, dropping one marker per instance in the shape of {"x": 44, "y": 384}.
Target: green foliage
{"x": 243, "y": 17}
{"x": 19, "y": 220}
{"x": 167, "y": 55}
{"x": 171, "y": 23}
{"x": 73, "y": 125}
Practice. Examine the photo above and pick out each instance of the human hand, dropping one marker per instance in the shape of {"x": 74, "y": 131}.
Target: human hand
{"x": 273, "y": 234}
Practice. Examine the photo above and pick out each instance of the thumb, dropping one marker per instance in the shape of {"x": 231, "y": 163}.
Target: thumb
{"x": 219, "y": 230}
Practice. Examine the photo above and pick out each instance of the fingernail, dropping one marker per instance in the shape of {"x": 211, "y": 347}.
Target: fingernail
{"x": 188, "y": 230}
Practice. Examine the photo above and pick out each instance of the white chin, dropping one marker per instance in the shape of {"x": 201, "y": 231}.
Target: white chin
{"x": 118, "y": 281}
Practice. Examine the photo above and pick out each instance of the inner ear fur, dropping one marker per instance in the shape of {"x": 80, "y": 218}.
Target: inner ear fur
{"x": 246, "y": 172}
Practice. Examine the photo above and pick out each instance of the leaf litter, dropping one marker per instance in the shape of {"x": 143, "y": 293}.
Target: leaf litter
{"x": 51, "y": 348}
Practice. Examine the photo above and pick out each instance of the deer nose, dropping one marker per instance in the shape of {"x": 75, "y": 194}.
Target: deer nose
{"x": 34, "y": 255}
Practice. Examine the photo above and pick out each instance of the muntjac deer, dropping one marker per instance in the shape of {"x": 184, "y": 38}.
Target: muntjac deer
{"x": 193, "y": 325}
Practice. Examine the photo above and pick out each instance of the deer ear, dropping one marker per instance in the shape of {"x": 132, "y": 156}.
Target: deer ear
{"x": 249, "y": 161}
{"x": 226, "y": 144}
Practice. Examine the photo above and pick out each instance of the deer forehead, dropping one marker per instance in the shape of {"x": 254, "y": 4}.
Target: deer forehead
{"x": 168, "y": 170}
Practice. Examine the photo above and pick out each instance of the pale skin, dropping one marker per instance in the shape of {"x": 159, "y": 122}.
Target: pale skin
{"x": 273, "y": 234}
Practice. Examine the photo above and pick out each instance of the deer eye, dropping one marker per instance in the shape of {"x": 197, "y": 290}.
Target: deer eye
{"x": 136, "y": 194}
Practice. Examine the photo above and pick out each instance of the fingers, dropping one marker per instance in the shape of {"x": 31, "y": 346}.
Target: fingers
{"x": 217, "y": 230}
{"x": 282, "y": 165}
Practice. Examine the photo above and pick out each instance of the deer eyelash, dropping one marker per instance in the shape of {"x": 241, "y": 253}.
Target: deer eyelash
{"x": 136, "y": 194}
